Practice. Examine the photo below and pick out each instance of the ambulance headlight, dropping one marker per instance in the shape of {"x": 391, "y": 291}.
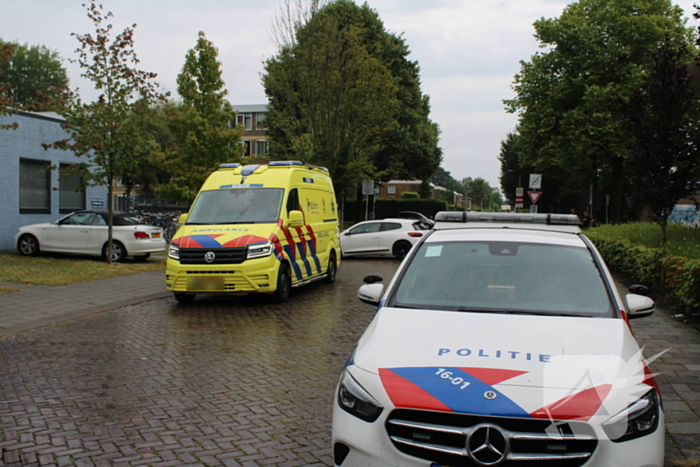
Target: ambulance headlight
{"x": 639, "y": 419}
{"x": 355, "y": 400}
{"x": 259, "y": 251}
{"x": 174, "y": 252}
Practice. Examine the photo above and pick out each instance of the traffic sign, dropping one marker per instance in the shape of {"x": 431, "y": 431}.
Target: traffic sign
{"x": 534, "y": 196}
{"x": 535, "y": 181}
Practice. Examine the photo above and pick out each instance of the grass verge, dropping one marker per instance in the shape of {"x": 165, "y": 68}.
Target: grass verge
{"x": 54, "y": 269}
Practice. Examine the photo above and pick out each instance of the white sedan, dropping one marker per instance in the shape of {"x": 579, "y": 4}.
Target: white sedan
{"x": 86, "y": 232}
{"x": 382, "y": 237}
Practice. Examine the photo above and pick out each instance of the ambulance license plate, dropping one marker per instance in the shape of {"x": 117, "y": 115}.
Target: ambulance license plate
{"x": 207, "y": 283}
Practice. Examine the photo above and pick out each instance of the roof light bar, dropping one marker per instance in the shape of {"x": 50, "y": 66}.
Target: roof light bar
{"x": 230, "y": 165}
{"x": 507, "y": 218}
{"x": 284, "y": 163}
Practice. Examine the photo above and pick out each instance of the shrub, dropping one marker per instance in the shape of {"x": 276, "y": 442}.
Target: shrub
{"x": 634, "y": 251}
{"x": 410, "y": 195}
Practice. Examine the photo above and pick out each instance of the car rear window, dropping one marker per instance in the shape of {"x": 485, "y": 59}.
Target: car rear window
{"x": 504, "y": 277}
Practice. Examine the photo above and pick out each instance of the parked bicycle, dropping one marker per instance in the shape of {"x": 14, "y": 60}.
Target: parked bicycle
{"x": 168, "y": 222}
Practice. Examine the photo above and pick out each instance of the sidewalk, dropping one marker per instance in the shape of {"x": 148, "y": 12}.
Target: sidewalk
{"x": 37, "y": 305}
{"x": 678, "y": 368}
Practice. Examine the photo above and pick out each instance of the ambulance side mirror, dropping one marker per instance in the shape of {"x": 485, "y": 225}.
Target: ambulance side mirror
{"x": 183, "y": 218}
{"x": 295, "y": 219}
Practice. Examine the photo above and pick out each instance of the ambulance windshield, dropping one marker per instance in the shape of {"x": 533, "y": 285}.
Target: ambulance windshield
{"x": 237, "y": 206}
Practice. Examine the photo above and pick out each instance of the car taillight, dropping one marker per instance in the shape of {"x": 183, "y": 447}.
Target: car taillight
{"x": 141, "y": 235}
{"x": 415, "y": 234}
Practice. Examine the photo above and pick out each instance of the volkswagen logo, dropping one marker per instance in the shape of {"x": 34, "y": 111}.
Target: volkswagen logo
{"x": 487, "y": 445}
{"x": 209, "y": 257}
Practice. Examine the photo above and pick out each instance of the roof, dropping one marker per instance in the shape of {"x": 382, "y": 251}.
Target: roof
{"x": 258, "y": 108}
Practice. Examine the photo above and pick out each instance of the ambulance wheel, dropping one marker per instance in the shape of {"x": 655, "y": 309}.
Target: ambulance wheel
{"x": 284, "y": 284}
{"x": 401, "y": 249}
{"x": 332, "y": 269}
{"x": 184, "y": 298}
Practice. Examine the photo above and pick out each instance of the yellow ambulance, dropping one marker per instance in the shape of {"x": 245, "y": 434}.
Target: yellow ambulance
{"x": 256, "y": 229}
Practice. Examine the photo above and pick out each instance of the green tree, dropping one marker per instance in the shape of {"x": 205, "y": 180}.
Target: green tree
{"x": 483, "y": 196}
{"x": 664, "y": 159}
{"x": 571, "y": 97}
{"x": 6, "y": 104}
{"x": 33, "y": 76}
{"x": 343, "y": 95}
{"x": 329, "y": 101}
{"x": 200, "y": 125}
{"x": 558, "y": 195}
{"x": 105, "y": 131}
{"x": 443, "y": 178}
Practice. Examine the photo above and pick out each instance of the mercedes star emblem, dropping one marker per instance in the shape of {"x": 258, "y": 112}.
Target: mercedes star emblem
{"x": 487, "y": 445}
{"x": 209, "y": 257}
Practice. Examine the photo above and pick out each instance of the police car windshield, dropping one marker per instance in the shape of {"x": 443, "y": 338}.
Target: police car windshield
{"x": 237, "y": 206}
{"x": 504, "y": 277}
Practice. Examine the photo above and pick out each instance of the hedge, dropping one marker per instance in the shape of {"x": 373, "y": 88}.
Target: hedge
{"x": 676, "y": 277}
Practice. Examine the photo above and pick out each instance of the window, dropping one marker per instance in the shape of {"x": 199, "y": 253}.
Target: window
{"x": 293, "y": 201}
{"x": 246, "y": 120}
{"x": 370, "y": 227}
{"x": 261, "y": 147}
{"x": 391, "y": 189}
{"x": 260, "y": 121}
{"x": 34, "y": 186}
{"x": 390, "y": 226}
{"x": 505, "y": 276}
{"x": 79, "y": 218}
{"x": 71, "y": 195}
{"x": 246, "y": 147}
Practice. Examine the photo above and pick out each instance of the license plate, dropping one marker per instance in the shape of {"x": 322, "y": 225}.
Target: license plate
{"x": 207, "y": 283}
{"x": 156, "y": 235}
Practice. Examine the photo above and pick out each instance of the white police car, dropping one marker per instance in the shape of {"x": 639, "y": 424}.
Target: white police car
{"x": 500, "y": 341}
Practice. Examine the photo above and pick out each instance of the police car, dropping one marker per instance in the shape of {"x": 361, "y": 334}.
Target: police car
{"x": 500, "y": 341}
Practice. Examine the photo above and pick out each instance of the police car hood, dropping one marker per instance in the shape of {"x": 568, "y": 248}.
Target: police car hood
{"x": 222, "y": 236}
{"x": 522, "y": 364}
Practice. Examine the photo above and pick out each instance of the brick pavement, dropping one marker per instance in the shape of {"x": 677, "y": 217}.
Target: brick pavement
{"x": 238, "y": 382}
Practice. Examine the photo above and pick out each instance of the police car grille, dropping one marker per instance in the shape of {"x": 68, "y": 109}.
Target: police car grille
{"x": 442, "y": 438}
{"x": 222, "y": 255}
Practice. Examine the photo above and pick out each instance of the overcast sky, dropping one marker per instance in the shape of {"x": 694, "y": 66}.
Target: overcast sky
{"x": 468, "y": 52}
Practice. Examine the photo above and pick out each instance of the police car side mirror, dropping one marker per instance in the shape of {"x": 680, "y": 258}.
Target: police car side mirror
{"x": 372, "y": 278}
{"x": 639, "y": 306}
{"x": 370, "y": 293}
{"x": 183, "y": 218}
{"x": 295, "y": 219}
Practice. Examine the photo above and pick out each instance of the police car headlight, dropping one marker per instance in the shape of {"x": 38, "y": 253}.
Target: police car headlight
{"x": 174, "y": 252}
{"x": 639, "y": 419}
{"x": 259, "y": 251}
{"x": 355, "y": 400}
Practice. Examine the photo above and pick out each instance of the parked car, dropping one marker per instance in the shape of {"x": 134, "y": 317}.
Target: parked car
{"x": 86, "y": 232}
{"x": 381, "y": 237}
{"x": 418, "y": 216}
{"x": 501, "y": 340}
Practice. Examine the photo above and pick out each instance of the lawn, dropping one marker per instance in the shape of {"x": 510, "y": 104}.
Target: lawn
{"x": 54, "y": 269}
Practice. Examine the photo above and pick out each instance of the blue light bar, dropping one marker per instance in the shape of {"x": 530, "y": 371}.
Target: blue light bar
{"x": 284, "y": 163}
{"x": 230, "y": 165}
{"x": 249, "y": 169}
{"x": 507, "y": 218}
